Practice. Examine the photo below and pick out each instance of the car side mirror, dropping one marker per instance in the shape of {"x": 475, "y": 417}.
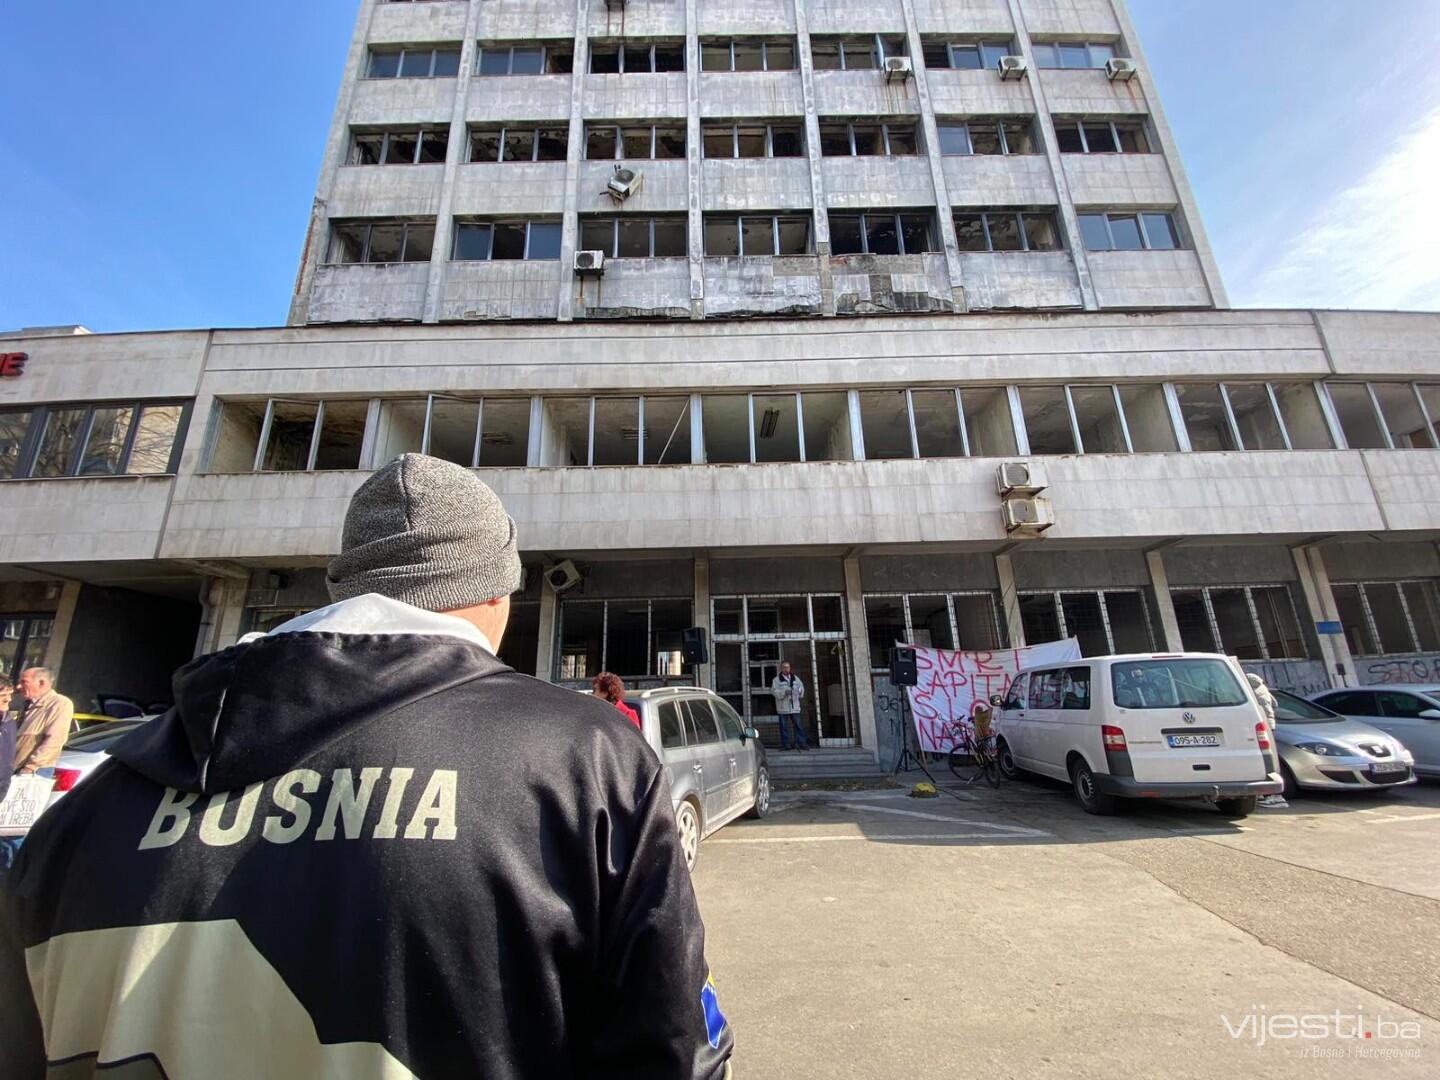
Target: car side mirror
{"x": 996, "y": 700}
{"x": 751, "y": 733}
{"x": 1430, "y": 714}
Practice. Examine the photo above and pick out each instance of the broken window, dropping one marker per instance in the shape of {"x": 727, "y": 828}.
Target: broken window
{"x": 526, "y": 142}
{"x": 408, "y": 146}
{"x": 667, "y": 430}
{"x": 755, "y": 55}
{"x": 777, "y": 428}
{"x": 826, "y": 416}
{"x": 1386, "y": 617}
{"x": 1192, "y": 616}
{"x": 1047, "y": 420}
{"x": 565, "y": 434}
{"x": 1147, "y": 417}
{"x": 643, "y": 142}
{"x": 291, "y": 434}
{"x": 381, "y": 241}
{"x": 740, "y": 140}
{"x": 750, "y": 235}
{"x": 844, "y": 139}
{"x": 988, "y": 424}
{"x": 1403, "y": 415}
{"x": 937, "y": 423}
{"x": 1129, "y": 232}
{"x": 635, "y": 237}
{"x": 528, "y": 59}
{"x": 633, "y": 58}
{"x": 634, "y": 638}
{"x": 1203, "y": 410}
{"x": 1358, "y": 417}
{"x": 401, "y": 429}
{"x": 451, "y": 429}
{"x": 1304, "y": 419}
{"x": 1255, "y": 416}
{"x": 885, "y": 627}
{"x": 1251, "y": 622}
{"x": 880, "y": 234}
{"x": 858, "y": 53}
{"x": 341, "y": 435}
{"x": 727, "y": 429}
{"x": 504, "y": 432}
{"x": 1101, "y": 137}
{"x": 885, "y": 424}
{"x": 966, "y": 55}
{"x": 1073, "y": 54}
{"x": 480, "y": 241}
{"x": 616, "y": 440}
{"x": 1007, "y": 230}
{"x": 415, "y": 63}
{"x": 1097, "y": 416}
{"x": 1106, "y": 621}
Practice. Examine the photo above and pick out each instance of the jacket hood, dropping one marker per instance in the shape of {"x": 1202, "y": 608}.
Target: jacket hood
{"x": 259, "y": 708}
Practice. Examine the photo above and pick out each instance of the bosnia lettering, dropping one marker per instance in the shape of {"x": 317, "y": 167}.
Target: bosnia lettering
{"x": 310, "y": 806}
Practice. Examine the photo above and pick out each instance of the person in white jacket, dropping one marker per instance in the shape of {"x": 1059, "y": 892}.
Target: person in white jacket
{"x": 789, "y": 693}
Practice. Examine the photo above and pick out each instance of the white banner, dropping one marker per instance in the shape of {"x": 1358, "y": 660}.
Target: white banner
{"x": 952, "y": 683}
{"x": 23, "y": 802}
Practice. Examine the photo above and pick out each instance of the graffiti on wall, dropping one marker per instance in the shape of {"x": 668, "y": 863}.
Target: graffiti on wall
{"x": 1303, "y": 677}
{"x": 1381, "y": 670}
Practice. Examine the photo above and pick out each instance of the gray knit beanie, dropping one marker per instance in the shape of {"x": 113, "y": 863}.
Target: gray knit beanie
{"x": 429, "y": 533}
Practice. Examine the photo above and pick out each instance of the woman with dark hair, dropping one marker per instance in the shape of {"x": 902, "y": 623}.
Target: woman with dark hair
{"x": 609, "y": 687}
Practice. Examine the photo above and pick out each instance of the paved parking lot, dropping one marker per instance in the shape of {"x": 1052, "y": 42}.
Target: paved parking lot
{"x": 1007, "y": 933}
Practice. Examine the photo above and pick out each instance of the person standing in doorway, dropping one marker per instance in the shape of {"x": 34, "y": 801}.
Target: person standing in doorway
{"x": 789, "y": 693}
{"x": 46, "y": 724}
{"x": 1266, "y": 701}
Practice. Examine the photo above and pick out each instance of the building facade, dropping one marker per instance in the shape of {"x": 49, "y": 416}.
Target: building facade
{"x": 984, "y": 255}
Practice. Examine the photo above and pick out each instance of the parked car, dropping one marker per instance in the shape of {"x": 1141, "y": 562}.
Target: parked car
{"x": 716, "y": 764}
{"x": 1410, "y": 713}
{"x": 84, "y": 752}
{"x": 1322, "y": 749}
{"x": 1182, "y": 725}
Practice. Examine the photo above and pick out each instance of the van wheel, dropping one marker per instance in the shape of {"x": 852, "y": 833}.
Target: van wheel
{"x": 762, "y": 794}
{"x": 1008, "y": 768}
{"x": 1238, "y": 807}
{"x": 1087, "y": 793}
{"x": 687, "y": 820}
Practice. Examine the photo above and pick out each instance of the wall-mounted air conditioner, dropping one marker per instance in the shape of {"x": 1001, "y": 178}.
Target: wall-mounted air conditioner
{"x": 1120, "y": 69}
{"x": 562, "y": 576}
{"x": 898, "y": 68}
{"x": 624, "y": 183}
{"x": 1012, "y": 67}
{"x": 1020, "y": 478}
{"x": 1028, "y": 516}
{"x": 590, "y": 263}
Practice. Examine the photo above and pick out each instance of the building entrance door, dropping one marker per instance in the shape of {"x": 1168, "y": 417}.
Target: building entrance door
{"x": 754, "y": 635}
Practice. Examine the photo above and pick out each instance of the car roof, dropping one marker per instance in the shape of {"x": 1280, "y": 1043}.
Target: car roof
{"x": 661, "y": 691}
{"x": 1421, "y": 688}
{"x": 1124, "y": 657}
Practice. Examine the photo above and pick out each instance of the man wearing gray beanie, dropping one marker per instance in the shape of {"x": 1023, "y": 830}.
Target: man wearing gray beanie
{"x": 360, "y": 844}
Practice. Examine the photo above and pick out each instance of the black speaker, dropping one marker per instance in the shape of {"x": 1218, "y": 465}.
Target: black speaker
{"x": 903, "y": 669}
{"x": 693, "y": 648}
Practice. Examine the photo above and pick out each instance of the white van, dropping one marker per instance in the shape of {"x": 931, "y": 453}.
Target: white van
{"x": 1182, "y": 725}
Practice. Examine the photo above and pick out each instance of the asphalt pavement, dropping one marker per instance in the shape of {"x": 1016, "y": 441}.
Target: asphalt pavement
{"x": 1008, "y": 934}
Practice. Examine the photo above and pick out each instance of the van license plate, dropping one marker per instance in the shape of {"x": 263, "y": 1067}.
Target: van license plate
{"x": 1389, "y": 767}
{"x": 1194, "y": 740}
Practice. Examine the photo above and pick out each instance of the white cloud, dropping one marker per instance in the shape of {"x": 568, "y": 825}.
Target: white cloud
{"x": 1375, "y": 244}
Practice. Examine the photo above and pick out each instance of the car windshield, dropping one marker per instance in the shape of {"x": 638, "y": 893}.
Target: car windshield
{"x": 98, "y": 740}
{"x": 1175, "y": 684}
{"x": 1293, "y": 709}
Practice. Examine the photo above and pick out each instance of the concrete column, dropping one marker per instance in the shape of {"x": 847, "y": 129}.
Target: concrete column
{"x": 317, "y": 236}
{"x": 1160, "y": 582}
{"x": 223, "y": 609}
{"x": 1010, "y": 601}
{"x": 820, "y": 217}
{"x": 60, "y": 627}
{"x": 570, "y": 222}
{"x": 697, "y": 430}
{"x": 857, "y": 428}
{"x": 1321, "y": 607}
{"x": 704, "y": 673}
{"x": 943, "y": 212}
{"x": 860, "y": 657}
{"x": 694, "y": 163}
{"x": 545, "y": 649}
{"x": 1069, "y": 220}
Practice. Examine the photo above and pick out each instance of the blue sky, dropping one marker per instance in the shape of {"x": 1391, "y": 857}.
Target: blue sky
{"x": 159, "y": 158}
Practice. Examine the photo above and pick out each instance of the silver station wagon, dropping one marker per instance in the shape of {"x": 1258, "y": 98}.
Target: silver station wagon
{"x": 716, "y": 764}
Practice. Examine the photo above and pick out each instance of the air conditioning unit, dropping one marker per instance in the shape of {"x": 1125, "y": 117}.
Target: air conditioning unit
{"x": 1120, "y": 69}
{"x": 1028, "y": 516}
{"x": 898, "y": 68}
{"x": 623, "y": 184}
{"x": 1012, "y": 67}
{"x": 614, "y": 5}
{"x": 1019, "y": 478}
{"x": 562, "y": 576}
{"x": 590, "y": 263}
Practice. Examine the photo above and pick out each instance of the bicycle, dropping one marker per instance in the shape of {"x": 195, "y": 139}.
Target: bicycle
{"x": 973, "y": 754}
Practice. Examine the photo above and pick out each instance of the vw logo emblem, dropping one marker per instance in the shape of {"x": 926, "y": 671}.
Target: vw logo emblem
{"x": 1188, "y": 717}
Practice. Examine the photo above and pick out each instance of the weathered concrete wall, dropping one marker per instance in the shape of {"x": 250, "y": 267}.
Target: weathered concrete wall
{"x": 1148, "y": 279}
{"x": 927, "y": 572}
{"x": 605, "y": 580}
{"x": 1240, "y": 564}
{"x": 1070, "y": 18}
{"x": 1381, "y": 561}
{"x": 663, "y": 188}
{"x": 780, "y": 285}
{"x": 56, "y": 521}
{"x": 1090, "y": 93}
{"x": 1133, "y": 181}
{"x": 979, "y": 93}
{"x": 500, "y": 290}
{"x": 497, "y": 98}
{"x": 386, "y": 191}
{"x": 393, "y": 292}
{"x": 964, "y": 17}
{"x": 725, "y": 18}
{"x": 750, "y": 184}
{"x": 1385, "y": 670}
{"x": 730, "y": 95}
{"x": 96, "y": 367}
{"x": 1020, "y": 280}
{"x": 787, "y": 576}
{"x": 1060, "y": 569}
{"x": 522, "y": 187}
{"x": 1303, "y": 677}
{"x": 866, "y": 284}
{"x": 984, "y": 180}
{"x": 855, "y": 183}
{"x": 411, "y": 24}
{"x": 631, "y": 288}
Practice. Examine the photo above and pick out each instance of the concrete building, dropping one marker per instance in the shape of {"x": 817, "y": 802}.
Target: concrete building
{"x": 963, "y": 270}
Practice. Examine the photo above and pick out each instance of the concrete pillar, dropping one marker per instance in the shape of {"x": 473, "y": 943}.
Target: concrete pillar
{"x": 1010, "y": 601}
{"x": 1160, "y": 582}
{"x": 820, "y": 216}
{"x": 60, "y": 627}
{"x": 704, "y": 673}
{"x": 1321, "y": 607}
{"x": 570, "y": 222}
{"x": 860, "y": 657}
{"x": 857, "y": 426}
{"x": 694, "y": 162}
{"x": 223, "y": 606}
{"x": 545, "y": 648}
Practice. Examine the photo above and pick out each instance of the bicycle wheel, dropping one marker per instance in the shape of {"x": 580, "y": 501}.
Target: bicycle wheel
{"x": 961, "y": 763}
{"x": 992, "y": 769}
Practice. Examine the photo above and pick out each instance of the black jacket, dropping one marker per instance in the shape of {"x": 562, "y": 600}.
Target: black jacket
{"x": 355, "y": 855}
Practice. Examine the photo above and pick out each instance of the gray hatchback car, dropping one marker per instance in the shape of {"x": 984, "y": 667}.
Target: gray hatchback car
{"x": 716, "y": 764}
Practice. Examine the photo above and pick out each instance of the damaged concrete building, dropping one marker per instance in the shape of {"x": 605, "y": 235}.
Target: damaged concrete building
{"x": 743, "y": 307}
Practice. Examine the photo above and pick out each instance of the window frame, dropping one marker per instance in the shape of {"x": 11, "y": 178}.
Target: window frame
{"x": 1372, "y": 626}
{"x": 38, "y": 421}
{"x": 547, "y": 51}
{"x": 849, "y": 125}
{"x": 1213, "y": 623}
{"x": 1115, "y": 126}
{"x": 998, "y": 123}
{"x": 385, "y": 136}
{"x": 775, "y": 219}
{"x": 765, "y": 44}
{"x": 619, "y": 127}
{"x": 369, "y": 225}
{"x": 616, "y": 219}
{"x": 1139, "y": 216}
{"x": 559, "y": 672}
{"x": 1378, "y": 411}
{"x": 1043, "y": 49}
{"x": 490, "y": 223}
{"x": 1058, "y": 600}
{"x": 399, "y": 54}
{"x": 864, "y": 217}
{"x": 502, "y": 131}
{"x": 883, "y": 666}
{"x": 875, "y": 49}
{"x": 624, "y": 46}
{"x": 1019, "y": 214}
{"x": 715, "y": 127}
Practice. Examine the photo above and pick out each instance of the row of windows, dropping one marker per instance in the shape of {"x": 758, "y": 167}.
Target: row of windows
{"x": 876, "y": 232}
{"x": 110, "y": 439}
{"x": 865, "y": 52}
{"x": 662, "y": 142}
{"x": 833, "y": 424}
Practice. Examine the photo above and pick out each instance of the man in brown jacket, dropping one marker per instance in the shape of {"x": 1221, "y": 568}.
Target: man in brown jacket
{"x": 46, "y": 725}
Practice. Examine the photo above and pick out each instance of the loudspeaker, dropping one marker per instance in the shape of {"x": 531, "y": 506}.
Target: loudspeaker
{"x": 904, "y": 670}
{"x": 693, "y": 647}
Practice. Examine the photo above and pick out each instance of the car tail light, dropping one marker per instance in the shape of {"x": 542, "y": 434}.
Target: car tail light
{"x": 1262, "y": 735}
{"x": 1113, "y": 736}
{"x": 65, "y": 779}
